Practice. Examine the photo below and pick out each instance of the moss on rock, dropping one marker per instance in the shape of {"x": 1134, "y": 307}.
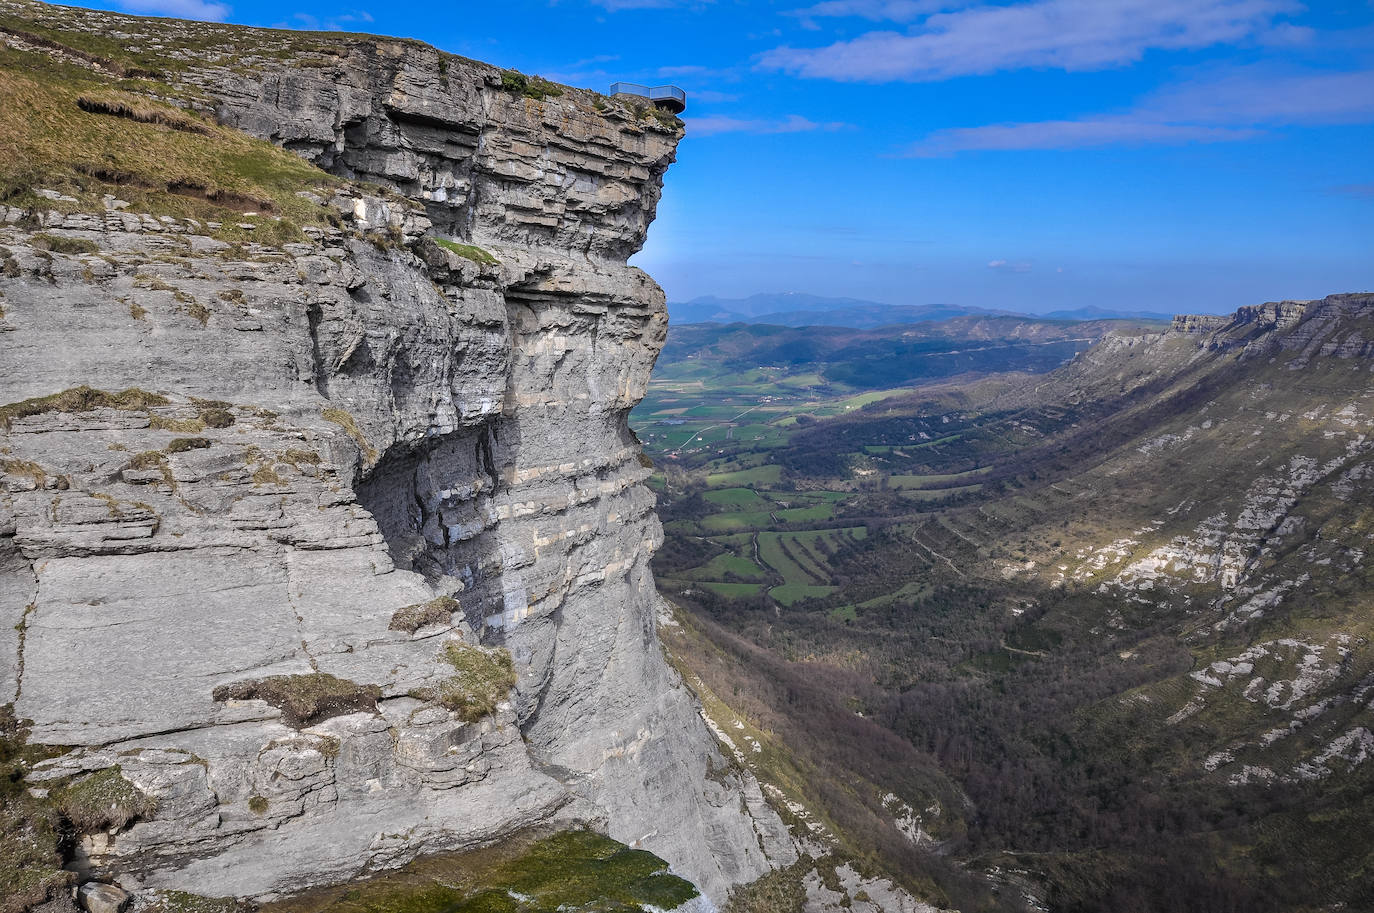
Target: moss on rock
{"x": 81, "y": 399}
{"x": 573, "y": 870}
{"x": 104, "y": 800}
{"x": 484, "y": 679}
{"x": 304, "y": 699}
{"x": 414, "y": 617}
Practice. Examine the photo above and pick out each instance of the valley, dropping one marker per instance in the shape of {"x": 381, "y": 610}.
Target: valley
{"x": 1116, "y": 612}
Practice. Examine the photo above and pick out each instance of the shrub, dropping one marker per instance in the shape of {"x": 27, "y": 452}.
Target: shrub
{"x": 535, "y": 87}
{"x": 304, "y": 699}
{"x": 414, "y": 617}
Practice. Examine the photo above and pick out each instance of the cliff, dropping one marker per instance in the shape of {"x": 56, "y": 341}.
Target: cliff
{"x": 302, "y": 445}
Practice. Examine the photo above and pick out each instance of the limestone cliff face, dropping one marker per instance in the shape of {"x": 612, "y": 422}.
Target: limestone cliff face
{"x": 391, "y": 422}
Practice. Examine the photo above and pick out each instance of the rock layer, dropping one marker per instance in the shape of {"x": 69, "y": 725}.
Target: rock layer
{"x": 336, "y": 430}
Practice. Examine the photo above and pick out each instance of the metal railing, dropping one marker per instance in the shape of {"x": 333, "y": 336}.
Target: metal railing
{"x": 654, "y": 93}
{"x": 658, "y": 92}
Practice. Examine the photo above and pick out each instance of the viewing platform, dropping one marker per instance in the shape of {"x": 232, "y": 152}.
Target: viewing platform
{"x": 669, "y": 98}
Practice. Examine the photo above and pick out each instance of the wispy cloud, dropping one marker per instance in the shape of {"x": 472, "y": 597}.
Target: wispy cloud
{"x": 1070, "y": 134}
{"x": 711, "y": 97}
{"x": 1228, "y": 106}
{"x": 1263, "y": 95}
{"x": 182, "y": 9}
{"x": 1057, "y": 34}
{"x": 1355, "y": 190}
{"x": 616, "y": 6}
{"x": 1008, "y": 266}
{"x": 336, "y": 23}
{"x": 875, "y": 10}
{"x": 793, "y": 123}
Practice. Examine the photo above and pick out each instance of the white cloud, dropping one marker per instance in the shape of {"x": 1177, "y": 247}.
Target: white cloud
{"x": 1262, "y": 95}
{"x": 710, "y": 96}
{"x": 1223, "y": 106}
{"x": 616, "y": 6}
{"x": 876, "y": 10}
{"x": 182, "y": 9}
{"x": 1057, "y": 34}
{"x": 1006, "y": 266}
{"x": 793, "y": 123}
{"x": 1070, "y": 134}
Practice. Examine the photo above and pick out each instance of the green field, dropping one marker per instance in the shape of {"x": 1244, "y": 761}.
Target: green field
{"x": 742, "y": 498}
{"x": 759, "y": 475}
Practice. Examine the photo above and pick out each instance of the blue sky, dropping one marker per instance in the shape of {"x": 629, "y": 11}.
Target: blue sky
{"x": 1184, "y": 155}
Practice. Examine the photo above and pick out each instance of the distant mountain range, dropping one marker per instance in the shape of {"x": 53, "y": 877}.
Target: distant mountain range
{"x": 795, "y": 309}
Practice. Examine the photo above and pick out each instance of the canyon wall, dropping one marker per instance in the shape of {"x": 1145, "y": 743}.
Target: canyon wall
{"x": 284, "y": 445}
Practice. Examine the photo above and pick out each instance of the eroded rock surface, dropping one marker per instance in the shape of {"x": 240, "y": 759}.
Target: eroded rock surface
{"x": 335, "y": 430}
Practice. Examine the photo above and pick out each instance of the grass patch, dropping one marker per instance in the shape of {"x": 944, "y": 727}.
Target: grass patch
{"x": 183, "y": 444}
{"x": 791, "y": 593}
{"x": 179, "y": 425}
{"x": 759, "y": 475}
{"x": 569, "y": 871}
{"x": 467, "y": 251}
{"x": 87, "y": 133}
{"x": 347, "y": 422}
{"x": 26, "y": 468}
{"x": 414, "y": 617}
{"x": 743, "y": 498}
{"x": 733, "y": 590}
{"x": 217, "y": 418}
{"x": 484, "y": 679}
{"x": 304, "y": 699}
{"x": 140, "y": 109}
{"x": 103, "y": 801}
{"x": 183, "y": 902}
{"x": 81, "y": 399}
{"x": 61, "y": 245}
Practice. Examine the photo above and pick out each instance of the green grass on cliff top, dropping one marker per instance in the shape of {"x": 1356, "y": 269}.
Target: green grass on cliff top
{"x": 84, "y": 133}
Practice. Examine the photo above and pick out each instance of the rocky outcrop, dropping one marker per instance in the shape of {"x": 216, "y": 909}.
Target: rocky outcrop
{"x": 1198, "y": 324}
{"x": 265, "y": 452}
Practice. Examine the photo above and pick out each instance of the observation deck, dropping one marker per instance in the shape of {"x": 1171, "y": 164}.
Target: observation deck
{"x": 669, "y": 98}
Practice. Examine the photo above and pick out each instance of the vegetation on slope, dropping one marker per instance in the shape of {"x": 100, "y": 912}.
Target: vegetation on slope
{"x": 84, "y": 133}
